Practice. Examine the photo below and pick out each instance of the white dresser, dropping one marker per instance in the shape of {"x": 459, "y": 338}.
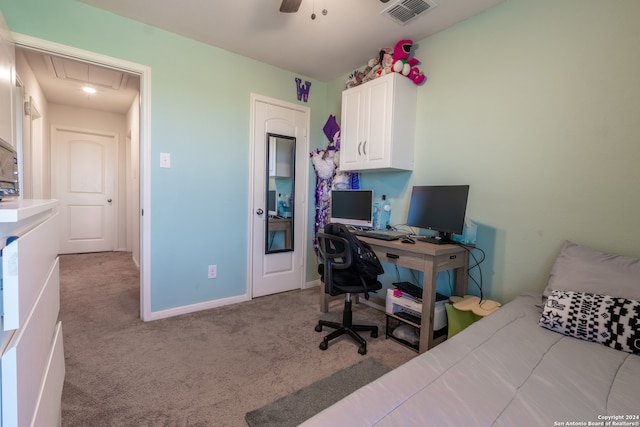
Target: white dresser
{"x": 32, "y": 362}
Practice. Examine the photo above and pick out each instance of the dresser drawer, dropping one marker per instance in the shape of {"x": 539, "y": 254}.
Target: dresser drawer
{"x": 25, "y": 266}
{"x": 49, "y": 401}
{"x": 24, "y": 363}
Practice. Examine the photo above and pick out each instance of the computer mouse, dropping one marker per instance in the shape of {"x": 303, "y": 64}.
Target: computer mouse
{"x": 407, "y": 240}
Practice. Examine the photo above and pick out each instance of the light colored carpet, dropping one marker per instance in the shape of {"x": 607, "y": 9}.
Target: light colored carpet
{"x": 203, "y": 369}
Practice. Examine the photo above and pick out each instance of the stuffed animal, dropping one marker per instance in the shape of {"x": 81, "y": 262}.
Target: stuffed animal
{"x": 355, "y": 79}
{"x": 405, "y": 65}
{"x": 378, "y": 66}
{"x": 371, "y": 70}
{"x": 385, "y": 62}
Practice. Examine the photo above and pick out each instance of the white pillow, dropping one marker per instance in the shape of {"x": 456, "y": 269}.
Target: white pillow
{"x": 582, "y": 269}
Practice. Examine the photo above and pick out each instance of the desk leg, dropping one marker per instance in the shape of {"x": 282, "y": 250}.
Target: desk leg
{"x": 462, "y": 278}
{"x": 428, "y": 304}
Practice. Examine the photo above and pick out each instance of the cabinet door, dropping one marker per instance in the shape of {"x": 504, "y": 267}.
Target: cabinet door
{"x": 376, "y": 146}
{"x": 352, "y": 128}
{"x": 378, "y": 121}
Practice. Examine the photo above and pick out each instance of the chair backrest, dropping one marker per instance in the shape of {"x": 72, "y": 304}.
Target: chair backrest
{"x": 363, "y": 258}
{"x": 335, "y": 254}
{"x": 347, "y": 262}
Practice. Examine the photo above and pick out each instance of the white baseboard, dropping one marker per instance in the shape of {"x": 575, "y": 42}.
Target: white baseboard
{"x": 312, "y": 284}
{"x": 136, "y": 262}
{"x": 185, "y": 309}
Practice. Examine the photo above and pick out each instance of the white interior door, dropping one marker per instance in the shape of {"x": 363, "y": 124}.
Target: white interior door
{"x": 83, "y": 171}
{"x": 280, "y": 271}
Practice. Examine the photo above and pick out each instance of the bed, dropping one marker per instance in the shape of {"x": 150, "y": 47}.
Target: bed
{"x": 567, "y": 356}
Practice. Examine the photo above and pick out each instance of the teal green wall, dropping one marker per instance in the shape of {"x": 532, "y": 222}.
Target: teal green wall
{"x": 200, "y": 114}
{"x": 536, "y": 105}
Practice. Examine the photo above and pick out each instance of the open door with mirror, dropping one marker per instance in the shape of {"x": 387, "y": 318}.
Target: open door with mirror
{"x": 280, "y": 190}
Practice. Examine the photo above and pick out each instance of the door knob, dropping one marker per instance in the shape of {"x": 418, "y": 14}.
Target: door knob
{"x": 109, "y": 200}
{"x": 259, "y": 211}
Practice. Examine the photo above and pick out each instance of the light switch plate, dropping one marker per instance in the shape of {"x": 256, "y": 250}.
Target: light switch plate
{"x": 165, "y": 160}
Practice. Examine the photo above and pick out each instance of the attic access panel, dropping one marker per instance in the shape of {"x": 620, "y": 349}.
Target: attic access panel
{"x": 85, "y": 73}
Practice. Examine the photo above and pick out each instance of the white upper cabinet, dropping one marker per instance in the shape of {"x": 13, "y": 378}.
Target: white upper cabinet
{"x": 378, "y": 124}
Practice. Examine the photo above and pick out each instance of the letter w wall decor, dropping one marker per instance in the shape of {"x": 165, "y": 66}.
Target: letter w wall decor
{"x": 303, "y": 90}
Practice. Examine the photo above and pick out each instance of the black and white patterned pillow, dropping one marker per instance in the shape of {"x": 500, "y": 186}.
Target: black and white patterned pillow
{"x": 614, "y": 322}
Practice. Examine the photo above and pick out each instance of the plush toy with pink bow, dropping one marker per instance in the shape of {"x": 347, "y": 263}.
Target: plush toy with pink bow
{"x": 406, "y": 65}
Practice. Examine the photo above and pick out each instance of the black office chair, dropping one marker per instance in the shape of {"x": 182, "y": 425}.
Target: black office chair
{"x": 338, "y": 277}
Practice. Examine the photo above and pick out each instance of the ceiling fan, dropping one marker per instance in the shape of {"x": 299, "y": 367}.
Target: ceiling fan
{"x": 290, "y": 6}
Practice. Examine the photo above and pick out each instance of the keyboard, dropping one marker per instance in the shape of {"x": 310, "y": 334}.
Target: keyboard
{"x": 381, "y": 234}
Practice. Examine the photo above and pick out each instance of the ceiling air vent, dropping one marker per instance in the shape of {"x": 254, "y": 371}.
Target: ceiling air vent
{"x": 403, "y": 11}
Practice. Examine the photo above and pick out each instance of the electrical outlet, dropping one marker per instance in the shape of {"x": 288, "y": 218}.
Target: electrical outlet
{"x": 213, "y": 271}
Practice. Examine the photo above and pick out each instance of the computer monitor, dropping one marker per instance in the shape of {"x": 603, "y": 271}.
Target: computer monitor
{"x": 352, "y": 207}
{"x": 440, "y": 208}
{"x": 272, "y": 206}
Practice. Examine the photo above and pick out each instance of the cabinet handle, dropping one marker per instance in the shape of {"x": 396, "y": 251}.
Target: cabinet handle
{"x": 359, "y": 145}
{"x": 364, "y": 148}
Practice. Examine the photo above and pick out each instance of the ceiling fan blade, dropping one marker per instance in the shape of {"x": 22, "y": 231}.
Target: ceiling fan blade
{"x": 290, "y": 6}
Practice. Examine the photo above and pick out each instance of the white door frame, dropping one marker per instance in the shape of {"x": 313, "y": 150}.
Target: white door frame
{"x": 304, "y": 173}
{"x": 144, "y": 72}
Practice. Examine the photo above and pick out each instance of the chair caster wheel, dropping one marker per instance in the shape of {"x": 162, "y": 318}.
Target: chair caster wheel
{"x": 318, "y": 328}
{"x": 362, "y": 350}
{"x": 323, "y": 345}
{"x": 374, "y": 334}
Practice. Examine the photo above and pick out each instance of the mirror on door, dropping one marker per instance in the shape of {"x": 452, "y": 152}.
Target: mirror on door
{"x": 280, "y": 193}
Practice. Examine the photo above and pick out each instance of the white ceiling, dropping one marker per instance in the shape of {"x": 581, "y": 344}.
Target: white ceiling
{"x": 61, "y": 81}
{"x": 352, "y": 31}
{"x": 331, "y": 45}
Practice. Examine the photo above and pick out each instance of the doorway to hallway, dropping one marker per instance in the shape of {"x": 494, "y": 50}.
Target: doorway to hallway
{"x": 137, "y": 138}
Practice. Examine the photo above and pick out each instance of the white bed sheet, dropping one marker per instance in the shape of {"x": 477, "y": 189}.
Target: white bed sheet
{"x": 504, "y": 370}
